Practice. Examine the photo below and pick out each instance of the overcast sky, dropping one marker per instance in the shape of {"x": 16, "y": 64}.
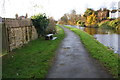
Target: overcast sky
{"x": 55, "y": 8}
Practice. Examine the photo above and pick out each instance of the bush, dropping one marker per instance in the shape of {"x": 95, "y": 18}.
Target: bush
{"x": 104, "y": 24}
{"x": 110, "y": 24}
{"x": 51, "y": 29}
{"x": 81, "y": 23}
{"x": 115, "y": 23}
{"x": 40, "y": 22}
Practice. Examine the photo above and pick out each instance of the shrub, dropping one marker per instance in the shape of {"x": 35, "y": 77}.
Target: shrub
{"x": 51, "y": 29}
{"x": 81, "y": 23}
{"x": 115, "y": 23}
{"x": 105, "y": 24}
{"x": 40, "y": 22}
{"x": 110, "y": 24}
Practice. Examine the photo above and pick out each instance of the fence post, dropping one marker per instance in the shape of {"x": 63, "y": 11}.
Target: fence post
{"x": 5, "y": 38}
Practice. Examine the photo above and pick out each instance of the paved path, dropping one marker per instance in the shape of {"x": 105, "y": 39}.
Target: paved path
{"x": 73, "y": 61}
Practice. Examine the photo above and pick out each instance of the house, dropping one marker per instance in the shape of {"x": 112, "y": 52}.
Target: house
{"x": 21, "y": 17}
{"x": 115, "y": 13}
{"x": 102, "y": 14}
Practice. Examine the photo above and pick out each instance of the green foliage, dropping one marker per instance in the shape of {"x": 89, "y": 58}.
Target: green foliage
{"x": 115, "y": 23}
{"x": 40, "y": 22}
{"x": 33, "y": 60}
{"x": 100, "y": 52}
{"x": 110, "y": 24}
{"x": 104, "y": 24}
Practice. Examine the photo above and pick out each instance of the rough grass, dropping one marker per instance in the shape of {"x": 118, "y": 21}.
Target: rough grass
{"x": 114, "y": 24}
{"x": 33, "y": 60}
{"x": 100, "y": 52}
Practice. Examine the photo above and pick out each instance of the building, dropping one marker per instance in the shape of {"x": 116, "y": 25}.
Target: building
{"x": 116, "y": 12}
{"x": 21, "y": 17}
{"x": 102, "y": 14}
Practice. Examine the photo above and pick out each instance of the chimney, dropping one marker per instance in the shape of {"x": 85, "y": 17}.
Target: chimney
{"x": 26, "y": 15}
{"x": 16, "y": 16}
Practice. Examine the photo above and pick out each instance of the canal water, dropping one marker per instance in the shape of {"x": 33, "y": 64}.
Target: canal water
{"x": 108, "y": 37}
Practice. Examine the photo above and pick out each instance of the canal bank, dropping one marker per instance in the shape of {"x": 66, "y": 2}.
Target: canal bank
{"x": 106, "y": 36}
{"x": 100, "y": 52}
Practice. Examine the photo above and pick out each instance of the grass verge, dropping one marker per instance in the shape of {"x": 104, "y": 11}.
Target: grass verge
{"x": 100, "y": 52}
{"x": 33, "y": 60}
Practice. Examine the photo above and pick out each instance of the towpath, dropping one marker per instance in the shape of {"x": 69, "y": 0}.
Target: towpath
{"x": 73, "y": 60}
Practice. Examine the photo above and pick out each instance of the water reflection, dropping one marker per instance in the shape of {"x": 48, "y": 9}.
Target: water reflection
{"x": 93, "y": 31}
{"x": 108, "y": 37}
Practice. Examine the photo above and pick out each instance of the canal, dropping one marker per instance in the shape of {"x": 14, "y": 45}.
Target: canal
{"x": 108, "y": 37}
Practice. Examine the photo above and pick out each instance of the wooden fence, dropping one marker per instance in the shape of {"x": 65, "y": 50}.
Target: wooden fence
{"x": 16, "y": 33}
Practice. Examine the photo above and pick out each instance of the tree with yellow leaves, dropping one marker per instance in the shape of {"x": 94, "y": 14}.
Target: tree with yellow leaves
{"x": 91, "y": 20}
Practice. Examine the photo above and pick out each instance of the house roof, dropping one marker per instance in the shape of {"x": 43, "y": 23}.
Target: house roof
{"x": 113, "y": 11}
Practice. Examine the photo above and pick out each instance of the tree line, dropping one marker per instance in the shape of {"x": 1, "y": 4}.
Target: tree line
{"x": 90, "y": 18}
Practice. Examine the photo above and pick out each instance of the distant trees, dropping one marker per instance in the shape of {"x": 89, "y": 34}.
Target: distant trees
{"x": 73, "y": 17}
{"x": 91, "y": 20}
{"x": 70, "y": 19}
{"x": 88, "y": 12}
{"x": 77, "y": 19}
{"x": 64, "y": 19}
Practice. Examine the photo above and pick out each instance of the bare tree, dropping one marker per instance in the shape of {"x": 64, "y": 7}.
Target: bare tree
{"x": 112, "y": 5}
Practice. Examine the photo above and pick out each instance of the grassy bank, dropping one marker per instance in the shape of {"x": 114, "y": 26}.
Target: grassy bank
{"x": 99, "y": 51}
{"x": 33, "y": 60}
{"x": 114, "y": 24}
